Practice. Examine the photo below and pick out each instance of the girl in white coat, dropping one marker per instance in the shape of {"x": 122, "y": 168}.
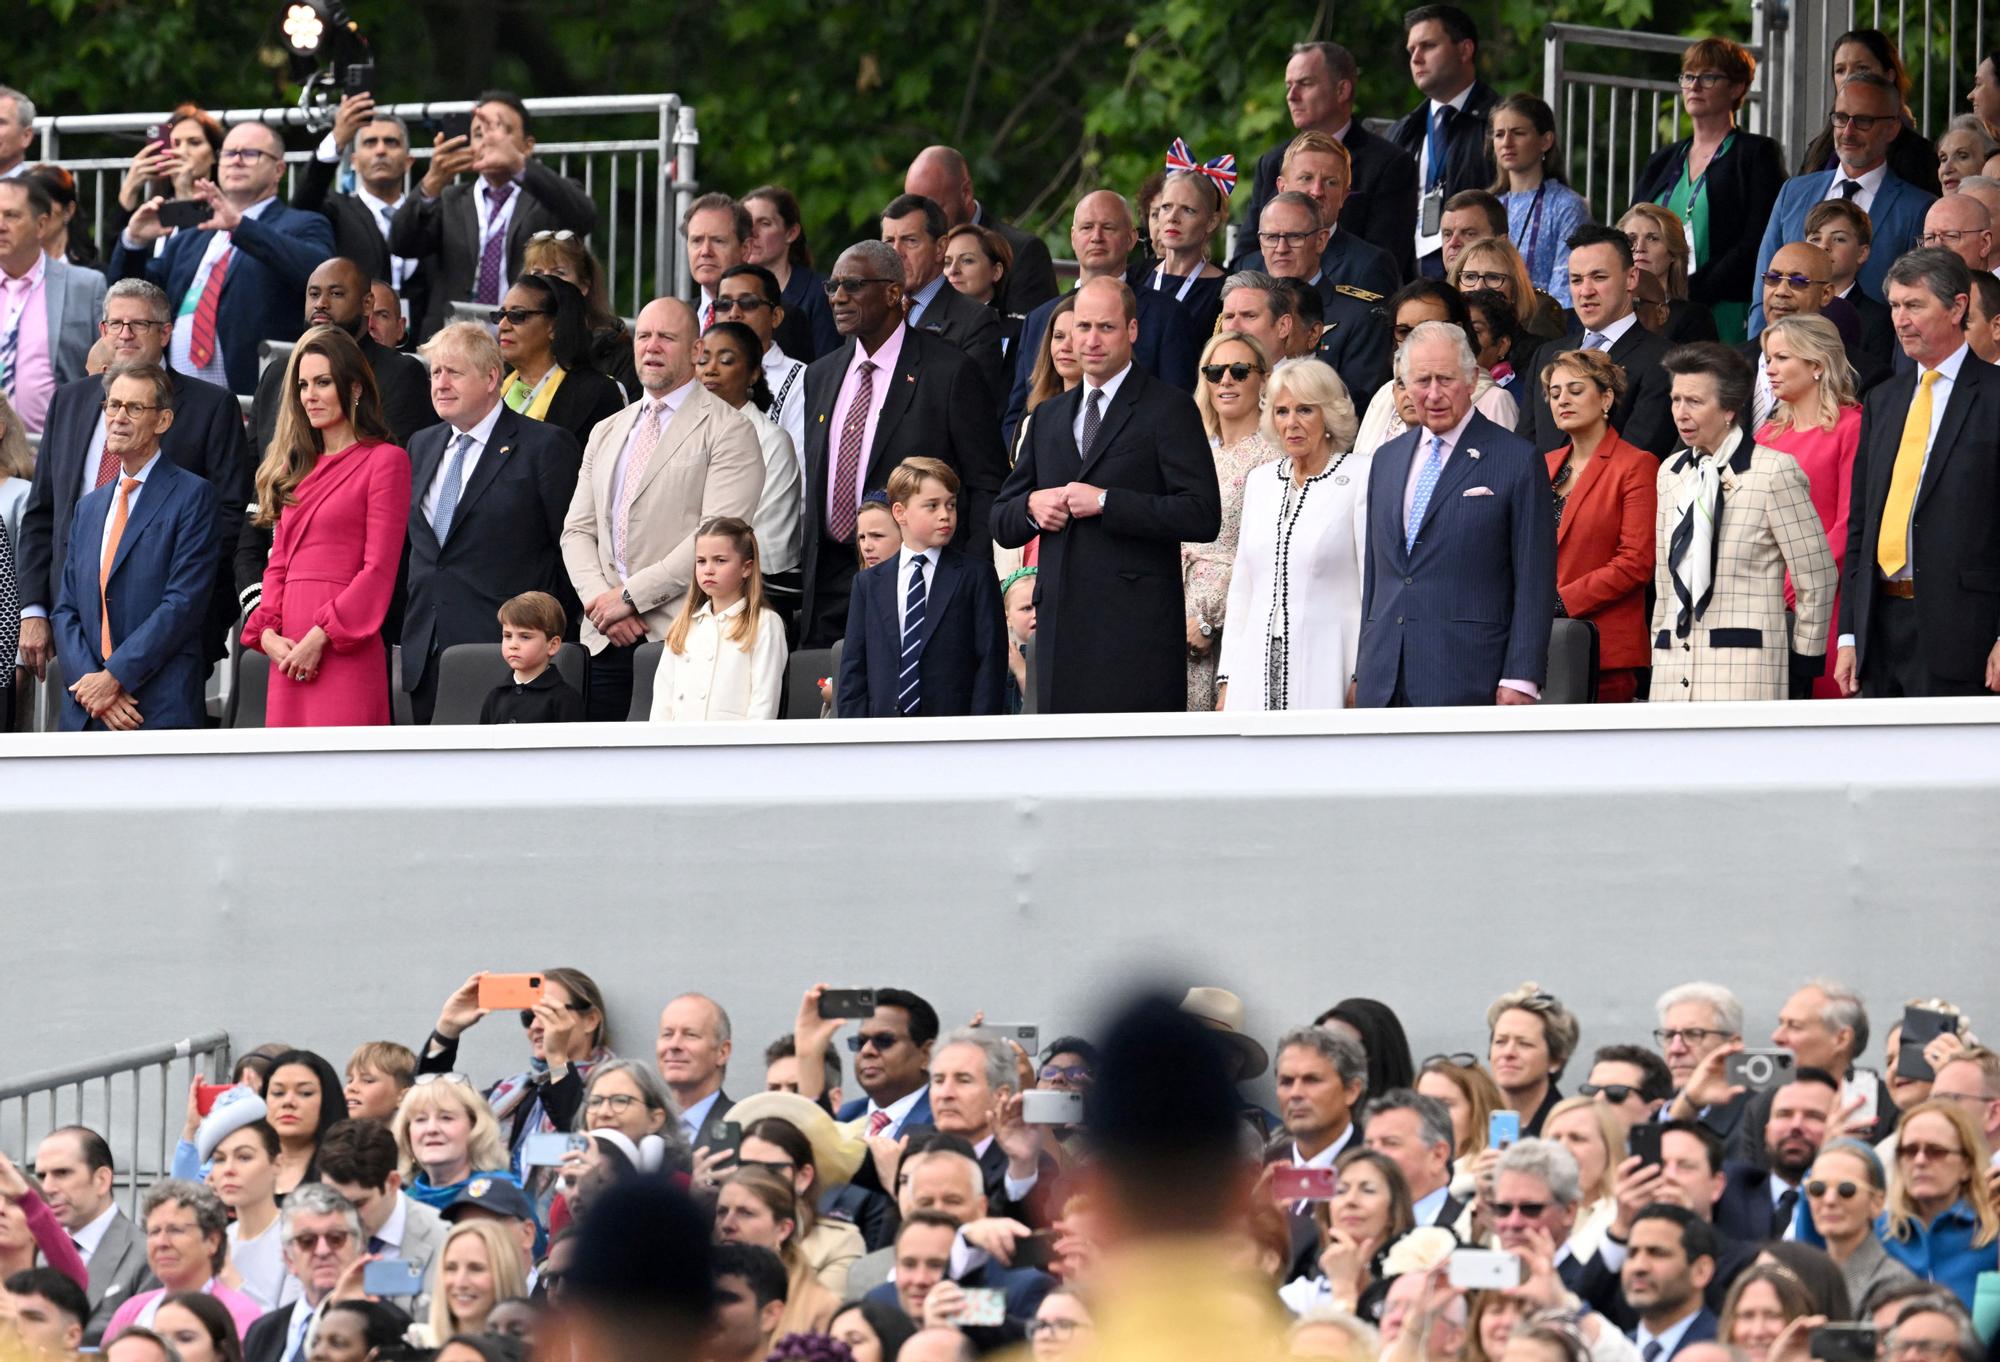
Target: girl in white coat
{"x": 725, "y": 652}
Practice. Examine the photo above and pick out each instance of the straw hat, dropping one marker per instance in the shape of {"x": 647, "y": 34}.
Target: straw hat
{"x": 837, "y": 1150}
{"x": 1223, "y": 1011}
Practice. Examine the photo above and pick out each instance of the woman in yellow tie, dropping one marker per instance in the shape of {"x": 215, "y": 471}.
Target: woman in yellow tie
{"x": 545, "y": 336}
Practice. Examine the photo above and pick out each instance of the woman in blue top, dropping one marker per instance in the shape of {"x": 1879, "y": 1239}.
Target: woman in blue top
{"x": 1541, "y": 209}
{"x": 1941, "y": 1222}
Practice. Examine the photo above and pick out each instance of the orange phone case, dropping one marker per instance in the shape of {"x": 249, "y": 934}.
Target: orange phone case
{"x": 498, "y": 992}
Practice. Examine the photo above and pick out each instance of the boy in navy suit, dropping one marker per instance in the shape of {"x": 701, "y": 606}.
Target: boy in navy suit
{"x": 925, "y": 633}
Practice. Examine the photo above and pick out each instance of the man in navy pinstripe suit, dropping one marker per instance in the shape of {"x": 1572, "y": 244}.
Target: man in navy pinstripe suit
{"x": 1459, "y": 592}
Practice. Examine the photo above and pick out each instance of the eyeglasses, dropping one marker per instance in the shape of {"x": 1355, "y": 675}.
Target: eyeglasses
{"x": 1614, "y": 1093}
{"x": 1934, "y": 1153}
{"x": 1772, "y": 279}
{"x": 1075, "y": 1073}
{"x": 1058, "y": 1329}
{"x": 1527, "y": 1210}
{"x": 1472, "y": 279}
{"x": 1269, "y": 239}
{"x": 528, "y": 1017}
{"x": 128, "y": 328}
{"x": 1945, "y": 238}
{"x": 1707, "y": 80}
{"x": 244, "y": 155}
{"x": 1693, "y": 1036}
{"x": 336, "y": 1240}
{"x": 113, "y": 407}
{"x": 517, "y": 315}
{"x": 1861, "y": 122}
{"x": 746, "y": 303}
{"x": 1846, "y": 1191}
{"x": 1461, "y": 1058}
{"x": 1214, "y": 372}
{"x": 546, "y": 235}
{"x": 881, "y": 1040}
{"x": 613, "y": 1101}
{"x": 1922, "y": 1347}
{"x": 855, "y": 285}
{"x": 460, "y": 1079}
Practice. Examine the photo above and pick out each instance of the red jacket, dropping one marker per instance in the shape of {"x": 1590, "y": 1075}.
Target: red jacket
{"x": 1604, "y": 547}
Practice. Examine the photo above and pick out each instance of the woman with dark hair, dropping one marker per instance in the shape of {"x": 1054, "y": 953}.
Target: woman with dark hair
{"x": 564, "y": 255}
{"x": 357, "y": 1331}
{"x": 199, "y": 1326}
{"x": 481, "y": 1348}
{"x": 1379, "y": 1031}
{"x": 338, "y": 490}
{"x": 187, "y": 148}
{"x": 1912, "y": 156}
{"x": 545, "y": 337}
{"x": 1984, "y": 96}
{"x": 302, "y": 1100}
{"x": 1719, "y": 180}
{"x": 1542, "y": 210}
{"x": 872, "y": 1331}
{"x": 778, "y": 243}
{"x": 1496, "y": 335}
{"x": 976, "y": 262}
{"x": 730, "y": 365}
{"x": 66, "y": 238}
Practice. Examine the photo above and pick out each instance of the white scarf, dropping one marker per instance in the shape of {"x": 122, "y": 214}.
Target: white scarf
{"x": 1691, "y": 549}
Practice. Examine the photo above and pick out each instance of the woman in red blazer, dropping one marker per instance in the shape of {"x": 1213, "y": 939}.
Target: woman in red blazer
{"x": 1604, "y": 490}
{"x": 339, "y": 493}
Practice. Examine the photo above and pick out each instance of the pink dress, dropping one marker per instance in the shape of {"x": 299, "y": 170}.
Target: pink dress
{"x": 333, "y": 563}
{"x": 1827, "y": 456}
{"x": 242, "y": 1309}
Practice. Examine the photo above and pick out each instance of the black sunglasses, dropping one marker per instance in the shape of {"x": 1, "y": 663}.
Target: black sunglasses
{"x": 881, "y": 1040}
{"x": 741, "y": 304}
{"x": 1532, "y": 1210}
{"x": 1214, "y": 372}
{"x": 1846, "y": 1191}
{"x": 517, "y": 315}
{"x": 834, "y": 286}
{"x": 528, "y": 1017}
{"x": 1614, "y": 1093}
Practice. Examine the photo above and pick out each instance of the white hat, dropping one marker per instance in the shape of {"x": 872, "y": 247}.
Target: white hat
{"x": 232, "y": 1111}
{"x": 1223, "y": 1011}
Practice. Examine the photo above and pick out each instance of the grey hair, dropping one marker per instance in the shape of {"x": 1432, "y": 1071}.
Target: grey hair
{"x": 1549, "y": 1163}
{"x": 977, "y": 1177}
{"x": 881, "y": 257}
{"x": 1933, "y": 268}
{"x": 1844, "y": 1007}
{"x": 1978, "y": 181}
{"x": 1966, "y": 122}
{"x": 147, "y": 292}
{"x": 1726, "y": 1006}
{"x": 24, "y": 107}
{"x": 1346, "y": 1056}
{"x": 1243, "y": 279}
{"x": 210, "y": 1215}
{"x": 1968, "y": 1344}
{"x": 1294, "y": 199}
{"x": 316, "y": 1198}
{"x": 723, "y": 1031}
{"x": 1425, "y": 332}
{"x": 401, "y": 126}
{"x": 1433, "y": 1117}
{"x": 155, "y": 374}
{"x": 1339, "y": 61}
{"x": 999, "y": 1059}
{"x": 655, "y": 1093}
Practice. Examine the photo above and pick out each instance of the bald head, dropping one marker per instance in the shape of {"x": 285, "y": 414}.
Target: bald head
{"x": 1101, "y": 234}
{"x": 1962, "y": 225}
{"x": 337, "y": 295}
{"x": 941, "y": 175}
{"x": 1788, "y": 298}
{"x": 663, "y": 345}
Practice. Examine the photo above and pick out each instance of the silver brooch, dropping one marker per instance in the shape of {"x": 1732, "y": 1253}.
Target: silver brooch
{"x": 1340, "y": 481}
{"x": 1472, "y": 453}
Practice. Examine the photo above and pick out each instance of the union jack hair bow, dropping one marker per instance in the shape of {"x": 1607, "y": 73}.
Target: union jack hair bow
{"x": 1222, "y": 169}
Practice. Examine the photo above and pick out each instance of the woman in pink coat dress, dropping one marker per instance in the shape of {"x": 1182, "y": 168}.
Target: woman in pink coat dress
{"x": 339, "y": 493}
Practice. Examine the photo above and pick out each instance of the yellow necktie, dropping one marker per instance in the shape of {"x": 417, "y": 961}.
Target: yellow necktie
{"x": 1892, "y": 550}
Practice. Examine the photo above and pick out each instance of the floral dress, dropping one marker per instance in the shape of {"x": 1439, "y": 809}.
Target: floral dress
{"x": 1205, "y": 567}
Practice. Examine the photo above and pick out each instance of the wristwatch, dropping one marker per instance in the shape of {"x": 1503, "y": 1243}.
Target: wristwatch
{"x": 626, "y": 596}
{"x": 1100, "y": 499}
{"x": 1203, "y": 627}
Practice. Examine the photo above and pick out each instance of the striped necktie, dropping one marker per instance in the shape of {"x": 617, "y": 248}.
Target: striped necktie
{"x": 910, "y": 694}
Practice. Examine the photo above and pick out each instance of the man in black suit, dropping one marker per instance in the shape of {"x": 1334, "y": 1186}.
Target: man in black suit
{"x": 1446, "y": 134}
{"x": 494, "y": 533}
{"x": 478, "y": 231}
{"x": 206, "y": 438}
{"x": 861, "y": 422}
{"x": 1115, "y": 476}
{"x": 1672, "y": 1260}
{"x": 941, "y": 175}
{"x": 1926, "y": 490}
{"x": 1983, "y": 331}
{"x": 692, "y": 1052}
{"x": 1759, "y": 1203}
{"x": 915, "y": 227}
{"x": 1415, "y": 1131}
{"x": 1602, "y": 283}
{"x": 1354, "y": 337}
{"x": 327, "y": 1223}
{"x": 1381, "y": 204}
{"x": 379, "y": 146}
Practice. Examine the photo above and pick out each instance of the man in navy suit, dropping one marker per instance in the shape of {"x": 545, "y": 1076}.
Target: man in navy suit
{"x": 1317, "y": 165}
{"x": 1102, "y": 236}
{"x": 137, "y": 578}
{"x": 1867, "y": 115}
{"x": 927, "y": 1250}
{"x": 238, "y": 278}
{"x": 1446, "y": 134}
{"x": 1456, "y": 601}
{"x": 892, "y": 1061}
{"x": 915, "y": 227}
{"x": 206, "y": 439}
{"x": 1760, "y": 1203}
{"x": 1668, "y": 1265}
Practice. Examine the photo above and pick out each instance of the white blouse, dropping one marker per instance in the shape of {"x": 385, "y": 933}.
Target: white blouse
{"x": 714, "y": 678}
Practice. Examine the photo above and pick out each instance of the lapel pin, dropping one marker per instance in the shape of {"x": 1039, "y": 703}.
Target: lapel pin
{"x": 1471, "y": 453}
{"x": 909, "y": 378}
{"x": 822, "y": 418}
{"x": 505, "y": 448}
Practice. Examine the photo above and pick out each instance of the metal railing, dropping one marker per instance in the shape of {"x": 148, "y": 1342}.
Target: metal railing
{"x": 1942, "y": 42}
{"x": 642, "y": 184}
{"x": 1609, "y": 124}
{"x": 140, "y": 1120}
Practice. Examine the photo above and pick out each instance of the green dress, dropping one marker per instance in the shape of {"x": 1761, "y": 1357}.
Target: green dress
{"x": 1689, "y": 201}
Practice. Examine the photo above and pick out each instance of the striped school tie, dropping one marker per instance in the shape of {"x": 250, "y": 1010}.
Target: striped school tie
{"x": 910, "y": 696}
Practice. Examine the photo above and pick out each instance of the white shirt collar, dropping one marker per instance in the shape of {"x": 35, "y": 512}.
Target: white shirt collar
{"x": 1110, "y": 386}
{"x": 1451, "y": 437}
{"x": 1326, "y": 1156}
{"x": 145, "y": 470}
{"x": 1615, "y": 331}
{"x": 1427, "y": 1209}
{"x": 375, "y": 205}
{"x": 1950, "y": 366}
{"x": 482, "y": 432}
{"x": 91, "y": 1235}
{"x": 256, "y": 210}
{"x": 906, "y": 553}
{"x": 676, "y": 399}
{"x": 1671, "y": 1337}
{"x": 1870, "y": 182}
{"x": 776, "y": 360}
{"x": 397, "y": 1224}
{"x": 1456, "y": 103}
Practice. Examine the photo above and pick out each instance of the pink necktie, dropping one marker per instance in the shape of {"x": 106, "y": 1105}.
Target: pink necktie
{"x": 643, "y": 445}
{"x": 878, "y": 1123}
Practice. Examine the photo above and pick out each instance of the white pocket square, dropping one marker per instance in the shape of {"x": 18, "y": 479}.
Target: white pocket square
{"x": 1477, "y": 492}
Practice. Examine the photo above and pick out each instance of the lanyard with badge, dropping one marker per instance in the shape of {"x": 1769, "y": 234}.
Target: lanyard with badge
{"x": 1431, "y": 210}
{"x": 1694, "y": 196}
{"x": 1160, "y": 282}
{"x": 1534, "y": 226}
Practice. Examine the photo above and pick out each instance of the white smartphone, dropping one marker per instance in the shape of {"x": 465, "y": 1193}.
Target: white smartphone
{"x": 549, "y": 1149}
{"x": 1484, "y": 1270}
{"x": 1870, "y": 1093}
{"x": 1051, "y": 1107}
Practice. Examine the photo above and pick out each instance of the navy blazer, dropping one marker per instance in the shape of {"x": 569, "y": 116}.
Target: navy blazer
{"x": 1381, "y": 205}
{"x": 1022, "y": 1288}
{"x": 1352, "y": 260}
{"x": 1701, "y": 1329}
{"x": 1168, "y": 348}
{"x": 264, "y": 293}
{"x": 920, "y": 1114}
{"x": 963, "y": 665}
{"x": 157, "y": 595}
{"x": 1474, "y": 600}
{"x": 1897, "y": 218}
{"x": 1744, "y": 1210}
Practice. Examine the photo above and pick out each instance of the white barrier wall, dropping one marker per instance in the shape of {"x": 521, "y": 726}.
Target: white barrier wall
{"x": 324, "y": 889}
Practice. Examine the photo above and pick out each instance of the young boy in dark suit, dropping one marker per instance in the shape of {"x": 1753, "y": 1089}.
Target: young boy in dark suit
{"x": 531, "y": 630}
{"x": 925, "y": 632}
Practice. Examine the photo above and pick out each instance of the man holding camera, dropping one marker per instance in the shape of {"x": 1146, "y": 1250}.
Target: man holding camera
{"x": 378, "y": 145}
{"x": 1696, "y": 1020}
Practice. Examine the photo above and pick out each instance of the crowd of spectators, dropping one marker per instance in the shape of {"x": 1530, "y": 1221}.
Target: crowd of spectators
{"x": 1701, "y": 1194}
{"x": 1725, "y": 437}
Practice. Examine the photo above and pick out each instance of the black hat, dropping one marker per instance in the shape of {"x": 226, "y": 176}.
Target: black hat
{"x": 485, "y": 1192}
{"x": 644, "y": 1247}
{"x": 1165, "y": 1088}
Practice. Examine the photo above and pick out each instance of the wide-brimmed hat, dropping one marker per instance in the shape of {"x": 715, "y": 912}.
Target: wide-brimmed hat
{"x": 837, "y": 1151}
{"x": 1223, "y": 1011}
{"x": 232, "y": 1111}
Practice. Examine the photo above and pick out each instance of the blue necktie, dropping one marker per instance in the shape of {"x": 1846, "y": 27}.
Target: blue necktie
{"x": 911, "y": 694}
{"x": 454, "y": 475}
{"x": 1434, "y": 147}
{"x": 1427, "y": 481}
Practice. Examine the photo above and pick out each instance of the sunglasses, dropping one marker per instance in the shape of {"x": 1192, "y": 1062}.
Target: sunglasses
{"x": 742, "y": 304}
{"x": 1530, "y": 1210}
{"x": 1936, "y": 1153}
{"x": 517, "y": 315}
{"x": 1214, "y": 372}
{"x": 1461, "y": 1058}
{"x": 553, "y": 236}
{"x": 459, "y": 1079}
{"x": 881, "y": 1040}
{"x": 1075, "y": 1073}
{"x": 834, "y": 286}
{"x": 336, "y": 1240}
{"x": 1614, "y": 1093}
{"x": 1846, "y": 1191}
{"x": 1772, "y": 279}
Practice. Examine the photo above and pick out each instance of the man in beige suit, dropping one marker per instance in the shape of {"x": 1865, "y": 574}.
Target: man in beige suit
{"x": 651, "y": 475}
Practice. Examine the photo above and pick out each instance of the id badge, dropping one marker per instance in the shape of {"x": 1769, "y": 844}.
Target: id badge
{"x": 1431, "y": 212}
{"x": 1687, "y": 229}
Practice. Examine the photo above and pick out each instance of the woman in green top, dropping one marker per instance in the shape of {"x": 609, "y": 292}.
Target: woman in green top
{"x": 1721, "y": 182}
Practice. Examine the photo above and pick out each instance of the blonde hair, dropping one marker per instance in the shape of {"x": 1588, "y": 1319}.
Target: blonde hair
{"x": 1608, "y": 1132}
{"x": 1816, "y": 341}
{"x": 1559, "y": 1025}
{"x": 1206, "y": 405}
{"x": 385, "y": 1057}
{"x": 1502, "y": 250}
{"x": 1675, "y": 233}
{"x": 906, "y": 479}
{"x": 1904, "y": 1217}
{"x": 1323, "y": 143}
{"x": 744, "y": 630}
{"x": 296, "y": 447}
{"x": 503, "y": 1261}
{"x": 1481, "y": 1094}
{"x": 17, "y": 458}
{"x": 1316, "y": 382}
{"x": 484, "y": 1147}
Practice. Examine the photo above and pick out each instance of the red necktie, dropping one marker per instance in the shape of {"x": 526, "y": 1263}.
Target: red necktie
{"x": 878, "y": 1123}
{"x": 107, "y": 467}
{"x": 201, "y": 344}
